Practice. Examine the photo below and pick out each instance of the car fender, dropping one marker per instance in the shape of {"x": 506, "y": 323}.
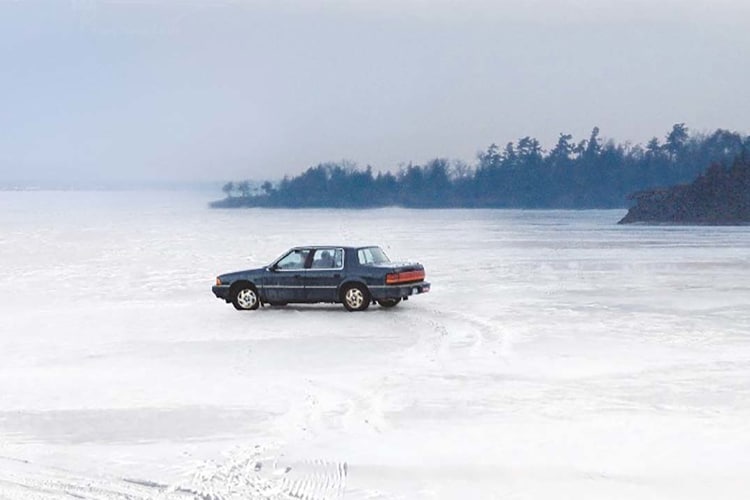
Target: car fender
{"x": 351, "y": 281}
{"x": 240, "y": 282}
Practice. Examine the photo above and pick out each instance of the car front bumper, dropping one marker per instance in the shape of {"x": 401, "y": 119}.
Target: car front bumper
{"x": 221, "y": 291}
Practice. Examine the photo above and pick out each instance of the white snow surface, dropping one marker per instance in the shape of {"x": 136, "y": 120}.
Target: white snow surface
{"x": 558, "y": 355}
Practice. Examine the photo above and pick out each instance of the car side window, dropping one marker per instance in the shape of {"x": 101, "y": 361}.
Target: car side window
{"x": 293, "y": 260}
{"x": 371, "y": 255}
{"x": 364, "y": 256}
{"x": 327, "y": 258}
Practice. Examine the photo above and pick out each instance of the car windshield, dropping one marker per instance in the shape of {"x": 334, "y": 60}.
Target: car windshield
{"x": 372, "y": 255}
{"x": 295, "y": 259}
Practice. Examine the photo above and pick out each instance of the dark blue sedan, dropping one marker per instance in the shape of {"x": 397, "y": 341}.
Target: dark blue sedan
{"x": 353, "y": 276}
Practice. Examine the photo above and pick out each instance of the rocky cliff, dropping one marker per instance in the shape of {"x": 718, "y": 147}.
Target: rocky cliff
{"x": 720, "y": 196}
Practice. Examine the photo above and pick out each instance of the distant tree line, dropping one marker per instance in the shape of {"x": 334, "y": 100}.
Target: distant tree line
{"x": 591, "y": 173}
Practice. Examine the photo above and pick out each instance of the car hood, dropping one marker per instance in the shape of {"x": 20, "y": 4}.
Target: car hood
{"x": 236, "y": 275}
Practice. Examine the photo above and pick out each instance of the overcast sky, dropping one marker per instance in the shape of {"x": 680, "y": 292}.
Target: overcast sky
{"x": 134, "y": 90}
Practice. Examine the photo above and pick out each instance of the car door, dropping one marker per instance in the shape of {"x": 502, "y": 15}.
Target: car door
{"x": 284, "y": 281}
{"x": 325, "y": 273}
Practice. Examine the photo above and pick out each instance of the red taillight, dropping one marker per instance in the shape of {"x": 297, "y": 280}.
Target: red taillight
{"x": 407, "y": 276}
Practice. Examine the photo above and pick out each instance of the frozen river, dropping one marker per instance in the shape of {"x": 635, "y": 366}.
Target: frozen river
{"x": 558, "y": 355}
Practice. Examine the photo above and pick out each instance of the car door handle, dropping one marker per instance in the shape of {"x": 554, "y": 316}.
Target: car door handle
{"x": 298, "y": 276}
{"x": 336, "y": 275}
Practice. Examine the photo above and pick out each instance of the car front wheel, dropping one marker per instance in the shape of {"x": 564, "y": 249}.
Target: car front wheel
{"x": 356, "y": 298}
{"x": 245, "y": 298}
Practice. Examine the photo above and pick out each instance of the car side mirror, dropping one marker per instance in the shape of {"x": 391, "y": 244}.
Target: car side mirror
{"x": 273, "y": 268}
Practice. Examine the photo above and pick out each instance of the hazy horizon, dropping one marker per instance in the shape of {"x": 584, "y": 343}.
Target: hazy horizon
{"x": 102, "y": 92}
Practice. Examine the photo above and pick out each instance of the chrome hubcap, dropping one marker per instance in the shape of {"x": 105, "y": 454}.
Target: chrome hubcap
{"x": 355, "y": 298}
{"x": 247, "y": 298}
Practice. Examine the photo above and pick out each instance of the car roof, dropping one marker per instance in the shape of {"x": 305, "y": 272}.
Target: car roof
{"x": 345, "y": 247}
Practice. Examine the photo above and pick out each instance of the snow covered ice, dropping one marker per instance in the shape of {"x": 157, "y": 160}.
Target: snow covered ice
{"x": 558, "y": 355}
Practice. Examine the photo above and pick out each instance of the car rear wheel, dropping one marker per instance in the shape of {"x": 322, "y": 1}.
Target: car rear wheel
{"x": 388, "y": 303}
{"x": 356, "y": 298}
{"x": 245, "y": 297}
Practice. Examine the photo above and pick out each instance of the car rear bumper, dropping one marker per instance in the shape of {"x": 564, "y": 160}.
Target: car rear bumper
{"x": 399, "y": 291}
{"x": 221, "y": 291}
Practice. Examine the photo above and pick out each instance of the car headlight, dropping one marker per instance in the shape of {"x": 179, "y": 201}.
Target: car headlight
{"x": 218, "y": 281}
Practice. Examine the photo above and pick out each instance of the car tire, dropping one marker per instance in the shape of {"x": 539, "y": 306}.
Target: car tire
{"x": 388, "y": 303}
{"x": 355, "y": 297}
{"x": 245, "y": 297}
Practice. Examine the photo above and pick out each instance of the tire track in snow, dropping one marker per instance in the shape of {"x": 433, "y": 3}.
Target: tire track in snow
{"x": 22, "y": 480}
{"x": 255, "y": 473}
{"x": 263, "y": 473}
{"x": 453, "y": 336}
